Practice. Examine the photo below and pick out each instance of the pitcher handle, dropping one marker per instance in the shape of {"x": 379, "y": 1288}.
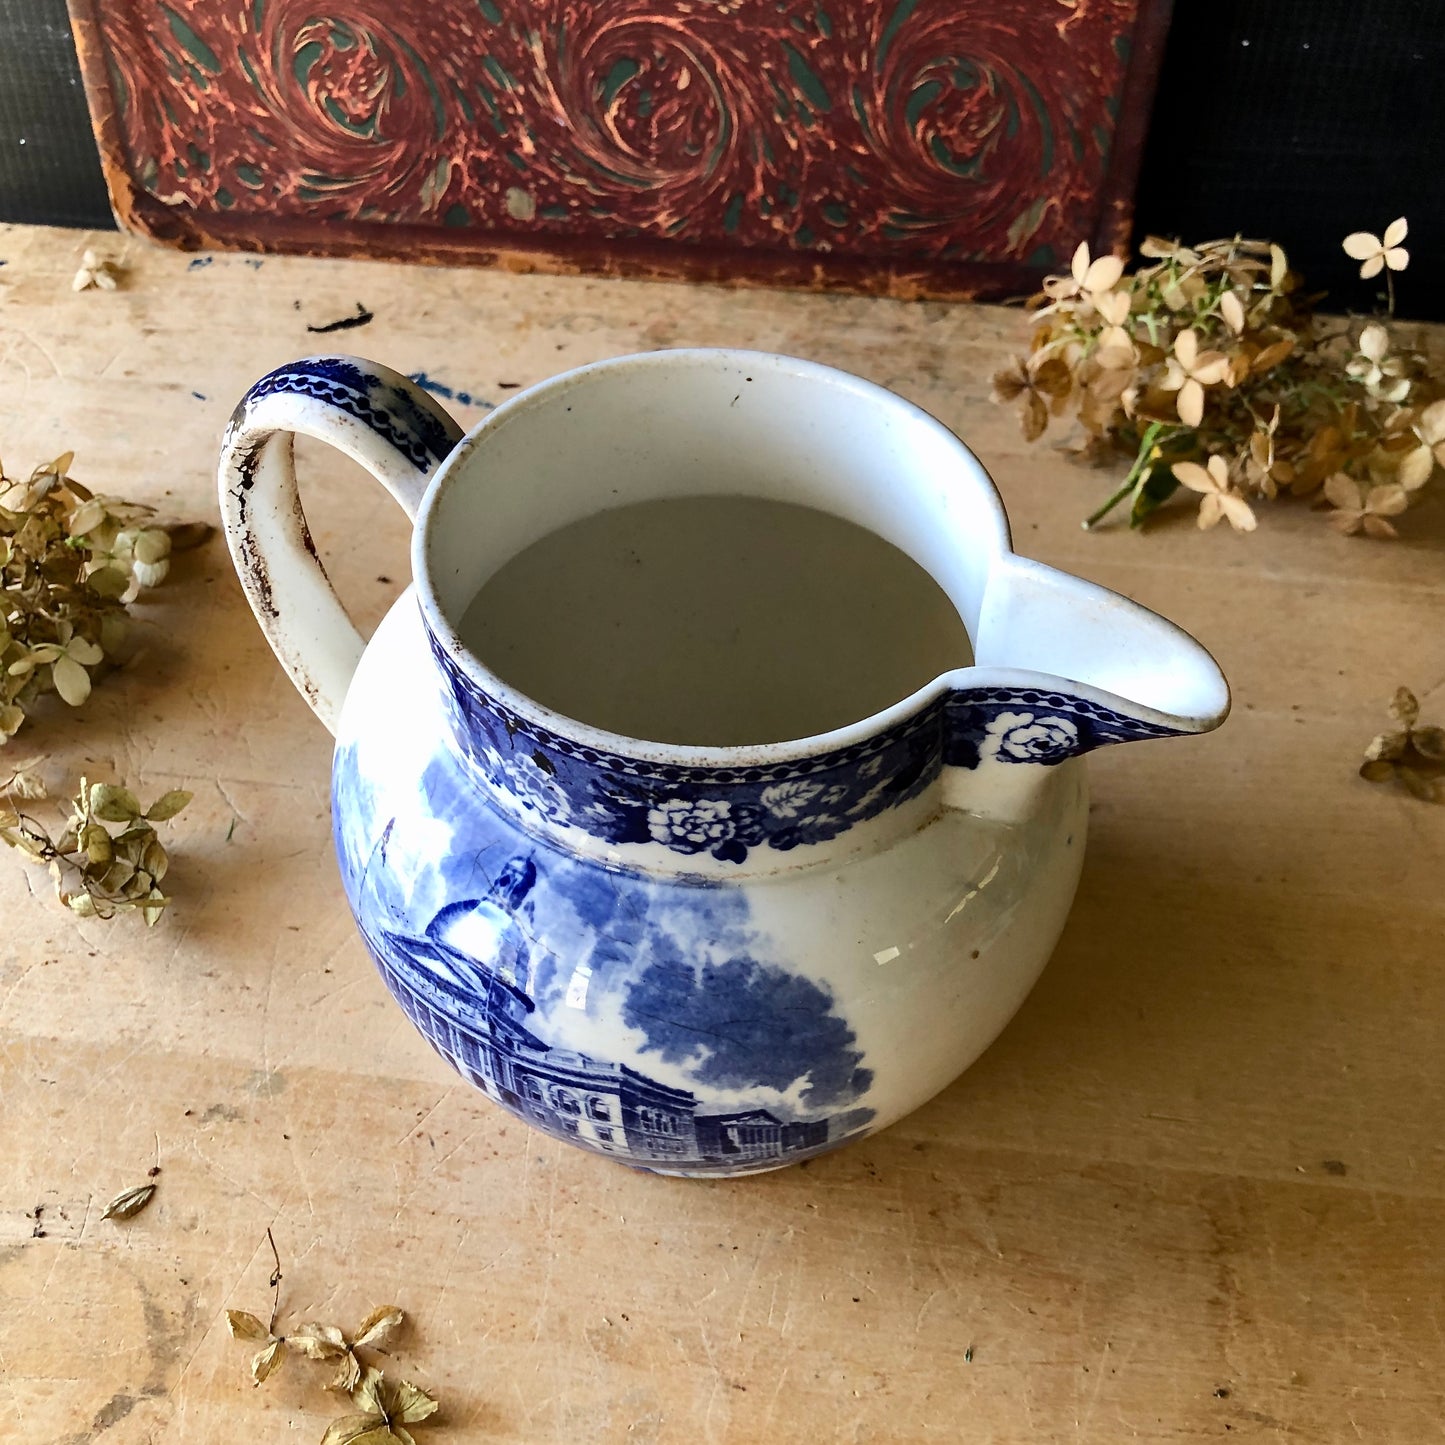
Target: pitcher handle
{"x": 378, "y": 418}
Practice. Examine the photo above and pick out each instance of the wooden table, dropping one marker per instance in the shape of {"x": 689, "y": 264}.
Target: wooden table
{"x": 1195, "y": 1191}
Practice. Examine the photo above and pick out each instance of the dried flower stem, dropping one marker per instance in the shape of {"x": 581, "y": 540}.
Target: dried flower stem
{"x": 275, "y": 1280}
{"x": 1138, "y": 474}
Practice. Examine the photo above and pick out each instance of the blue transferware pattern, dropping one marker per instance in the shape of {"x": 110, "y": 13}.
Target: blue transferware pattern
{"x": 669, "y": 964}
{"x": 649, "y": 1022}
{"x": 721, "y": 812}
{"x": 725, "y": 812}
{"x": 423, "y": 434}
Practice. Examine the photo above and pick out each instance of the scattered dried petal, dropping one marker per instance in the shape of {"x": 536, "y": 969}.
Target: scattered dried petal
{"x": 129, "y": 1202}
{"x": 358, "y": 1430}
{"x": 71, "y": 680}
{"x": 1405, "y": 707}
{"x": 267, "y": 1359}
{"x": 1415, "y": 784}
{"x": 244, "y": 1326}
{"x": 318, "y": 1342}
{"x": 409, "y": 1403}
{"x": 379, "y": 1326}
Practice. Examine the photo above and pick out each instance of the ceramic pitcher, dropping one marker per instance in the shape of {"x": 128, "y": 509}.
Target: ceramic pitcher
{"x": 695, "y": 959}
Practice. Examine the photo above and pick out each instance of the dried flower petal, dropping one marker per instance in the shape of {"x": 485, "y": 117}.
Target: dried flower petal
{"x": 267, "y": 1360}
{"x": 71, "y": 680}
{"x": 168, "y": 805}
{"x": 348, "y": 1374}
{"x": 129, "y": 1202}
{"x": 379, "y": 1325}
{"x": 246, "y": 1326}
{"x": 1418, "y": 786}
{"x": 114, "y": 804}
{"x": 1430, "y": 743}
{"x": 318, "y": 1342}
{"x": 1405, "y": 707}
{"x": 358, "y": 1430}
{"x": 410, "y": 1404}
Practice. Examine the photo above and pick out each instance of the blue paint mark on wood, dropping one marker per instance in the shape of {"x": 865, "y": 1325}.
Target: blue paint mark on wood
{"x": 199, "y": 262}
{"x": 199, "y": 396}
{"x": 447, "y": 393}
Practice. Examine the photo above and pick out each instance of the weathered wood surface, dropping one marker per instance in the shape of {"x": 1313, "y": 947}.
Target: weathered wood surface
{"x": 1196, "y": 1190}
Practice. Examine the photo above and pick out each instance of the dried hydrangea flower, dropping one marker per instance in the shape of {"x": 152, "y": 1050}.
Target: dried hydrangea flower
{"x": 1411, "y": 755}
{"x": 1189, "y": 371}
{"x": 70, "y": 563}
{"x": 94, "y": 272}
{"x": 1377, "y": 253}
{"x": 1358, "y": 509}
{"x": 1218, "y": 497}
{"x": 1087, "y": 279}
{"x": 1215, "y": 350}
{"x": 1039, "y": 386}
{"x": 97, "y": 871}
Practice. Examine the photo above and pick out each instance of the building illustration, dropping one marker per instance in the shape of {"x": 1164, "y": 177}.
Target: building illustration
{"x": 462, "y": 984}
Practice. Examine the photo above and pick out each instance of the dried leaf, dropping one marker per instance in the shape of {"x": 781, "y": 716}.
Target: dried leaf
{"x": 129, "y": 1202}
{"x": 267, "y": 1359}
{"x": 379, "y": 1326}
{"x": 85, "y": 518}
{"x": 246, "y": 1326}
{"x": 25, "y": 784}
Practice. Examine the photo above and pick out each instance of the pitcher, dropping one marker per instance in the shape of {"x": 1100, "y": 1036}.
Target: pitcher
{"x": 698, "y": 896}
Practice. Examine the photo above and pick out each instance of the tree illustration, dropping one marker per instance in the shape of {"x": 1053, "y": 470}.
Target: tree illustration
{"x": 740, "y": 1023}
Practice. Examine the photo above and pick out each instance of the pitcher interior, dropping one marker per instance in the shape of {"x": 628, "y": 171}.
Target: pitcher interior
{"x": 711, "y": 549}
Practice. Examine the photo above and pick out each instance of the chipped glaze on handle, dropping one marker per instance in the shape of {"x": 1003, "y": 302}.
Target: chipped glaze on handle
{"x": 376, "y": 417}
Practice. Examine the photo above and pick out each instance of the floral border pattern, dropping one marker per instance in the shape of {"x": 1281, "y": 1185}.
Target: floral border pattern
{"x": 727, "y": 812}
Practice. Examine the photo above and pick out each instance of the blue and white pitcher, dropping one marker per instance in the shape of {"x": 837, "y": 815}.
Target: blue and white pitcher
{"x": 698, "y": 960}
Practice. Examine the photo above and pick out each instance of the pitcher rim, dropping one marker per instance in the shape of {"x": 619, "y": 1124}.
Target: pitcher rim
{"x": 996, "y": 544}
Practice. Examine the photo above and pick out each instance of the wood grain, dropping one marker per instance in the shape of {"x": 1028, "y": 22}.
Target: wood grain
{"x": 1195, "y": 1192}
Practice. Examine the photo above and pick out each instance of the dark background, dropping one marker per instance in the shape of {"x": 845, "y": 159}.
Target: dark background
{"x": 1293, "y": 120}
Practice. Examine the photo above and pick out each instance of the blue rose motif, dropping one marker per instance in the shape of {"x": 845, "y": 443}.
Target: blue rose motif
{"x": 691, "y": 826}
{"x": 1025, "y": 737}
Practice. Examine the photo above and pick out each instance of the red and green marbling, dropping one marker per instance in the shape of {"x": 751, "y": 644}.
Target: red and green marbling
{"x": 920, "y": 134}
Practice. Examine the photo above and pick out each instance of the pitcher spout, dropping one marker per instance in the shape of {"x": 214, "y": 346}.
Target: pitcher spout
{"x": 1063, "y": 667}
